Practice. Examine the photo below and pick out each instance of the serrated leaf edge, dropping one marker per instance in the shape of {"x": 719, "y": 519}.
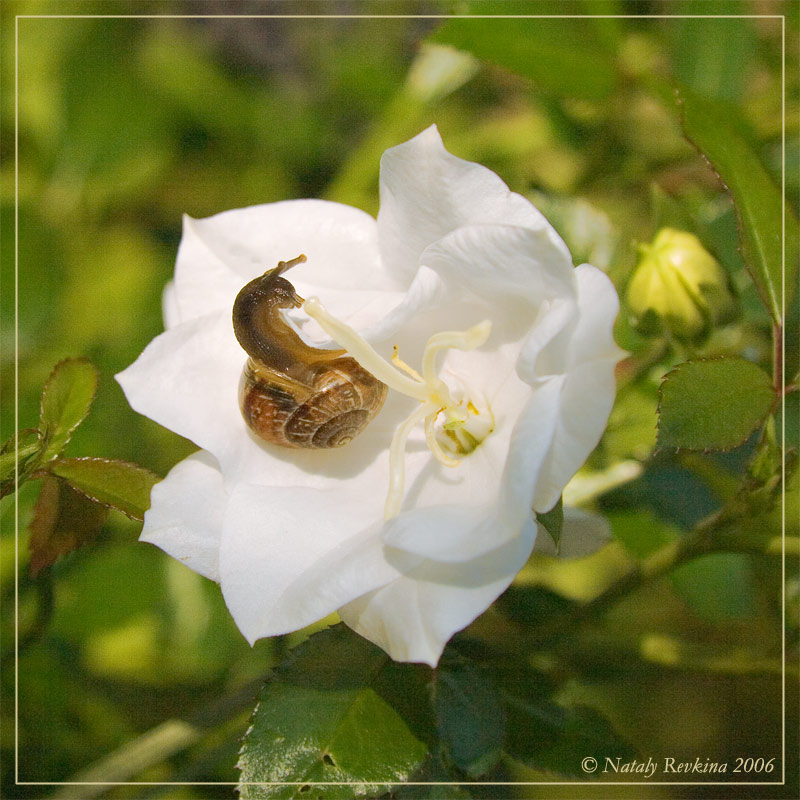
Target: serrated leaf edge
{"x": 772, "y": 304}
{"x": 273, "y": 677}
{"x": 286, "y": 666}
{"x": 67, "y": 431}
{"x": 100, "y": 459}
{"x": 661, "y": 448}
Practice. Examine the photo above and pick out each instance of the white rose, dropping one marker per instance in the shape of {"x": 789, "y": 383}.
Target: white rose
{"x": 406, "y": 548}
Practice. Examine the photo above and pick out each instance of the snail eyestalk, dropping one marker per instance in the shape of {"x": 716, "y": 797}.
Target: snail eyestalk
{"x": 283, "y": 266}
{"x": 465, "y": 426}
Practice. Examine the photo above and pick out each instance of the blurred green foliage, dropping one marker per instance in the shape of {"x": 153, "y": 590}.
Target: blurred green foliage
{"x": 126, "y": 124}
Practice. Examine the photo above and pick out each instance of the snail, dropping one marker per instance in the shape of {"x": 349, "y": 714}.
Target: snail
{"x": 292, "y": 394}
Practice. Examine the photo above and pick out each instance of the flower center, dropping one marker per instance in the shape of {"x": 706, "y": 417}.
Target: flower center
{"x": 455, "y": 422}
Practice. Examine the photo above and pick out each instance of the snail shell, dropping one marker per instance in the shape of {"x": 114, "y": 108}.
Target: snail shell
{"x": 290, "y": 393}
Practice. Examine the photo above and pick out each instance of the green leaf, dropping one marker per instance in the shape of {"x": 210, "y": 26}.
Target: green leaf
{"x": 339, "y": 710}
{"x": 63, "y": 520}
{"x": 549, "y": 737}
{"x": 553, "y": 53}
{"x": 66, "y": 399}
{"x": 24, "y": 447}
{"x": 553, "y": 521}
{"x": 713, "y": 56}
{"x": 469, "y": 715}
{"x": 435, "y": 781}
{"x": 712, "y": 404}
{"x": 760, "y": 209}
{"x": 118, "y": 484}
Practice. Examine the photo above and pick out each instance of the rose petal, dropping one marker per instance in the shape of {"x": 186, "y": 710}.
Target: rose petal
{"x": 169, "y": 306}
{"x": 426, "y": 193}
{"x": 186, "y": 513}
{"x": 546, "y": 347}
{"x": 578, "y": 429}
{"x": 503, "y": 263}
{"x": 364, "y": 311}
{"x": 426, "y": 292}
{"x": 204, "y": 283}
{"x": 340, "y": 243}
{"x": 598, "y": 306}
{"x": 450, "y": 534}
{"x": 581, "y": 422}
{"x": 413, "y": 617}
{"x": 186, "y": 380}
{"x": 574, "y": 339}
{"x": 219, "y": 254}
{"x": 531, "y": 446}
{"x": 280, "y": 547}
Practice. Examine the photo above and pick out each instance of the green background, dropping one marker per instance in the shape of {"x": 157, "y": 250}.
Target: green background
{"x": 126, "y": 124}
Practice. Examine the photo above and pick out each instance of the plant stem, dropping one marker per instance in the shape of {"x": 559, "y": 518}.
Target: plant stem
{"x": 777, "y": 359}
{"x": 156, "y": 745}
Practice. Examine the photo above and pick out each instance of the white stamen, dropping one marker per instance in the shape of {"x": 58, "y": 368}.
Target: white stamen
{"x": 428, "y": 389}
{"x": 400, "y": 364}
{"x": 363, "y": 352}
{"x": 460, "y": 340}
{"x": 397, "y": 467}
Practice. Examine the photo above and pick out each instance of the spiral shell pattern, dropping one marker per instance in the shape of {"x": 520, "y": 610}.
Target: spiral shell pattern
{"x": 340, "y": 402}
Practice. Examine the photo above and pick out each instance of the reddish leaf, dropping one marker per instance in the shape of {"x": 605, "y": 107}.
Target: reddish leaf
{"x": 63, "y": 520}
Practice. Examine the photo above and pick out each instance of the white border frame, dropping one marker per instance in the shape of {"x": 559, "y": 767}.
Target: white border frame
{"x": 596, "y": 785}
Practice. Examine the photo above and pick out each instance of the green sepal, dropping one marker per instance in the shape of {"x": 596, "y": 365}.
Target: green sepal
{"x": 553, "y": 522}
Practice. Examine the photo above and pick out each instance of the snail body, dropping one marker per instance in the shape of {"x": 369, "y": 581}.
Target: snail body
{"x": 292, "y": 394}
